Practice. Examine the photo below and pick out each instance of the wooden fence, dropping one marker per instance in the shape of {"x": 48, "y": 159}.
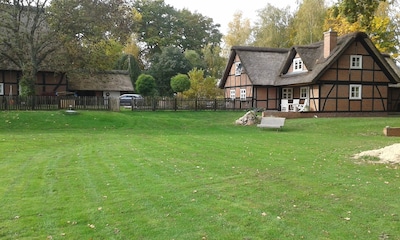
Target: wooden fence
{"x": 179, "y": 104}
{"x": 112, "y": 104}
{"x": 53, "y": 103}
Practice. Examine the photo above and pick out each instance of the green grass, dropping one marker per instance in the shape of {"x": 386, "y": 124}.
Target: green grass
{"x": 193, "y": 175}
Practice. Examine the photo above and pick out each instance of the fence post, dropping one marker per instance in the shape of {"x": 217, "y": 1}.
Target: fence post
{"x": 215, "y": 104}
{"x": 154, "y": 104}
{"x": 195, "y": 104}
{"x": 175, "y": 104}
{"x": 6, "y": 101}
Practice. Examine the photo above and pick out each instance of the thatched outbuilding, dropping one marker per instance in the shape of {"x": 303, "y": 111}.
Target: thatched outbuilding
{"x": 106, "y": 84}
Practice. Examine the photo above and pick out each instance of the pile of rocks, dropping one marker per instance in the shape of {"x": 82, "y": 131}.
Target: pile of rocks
{"x": 250, "y": 118}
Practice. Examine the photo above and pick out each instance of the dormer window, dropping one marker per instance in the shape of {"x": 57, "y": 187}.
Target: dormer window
{"x": 238, "y": 68}
{"x": 297, "y": 65}
{"x": 355, "y": 62}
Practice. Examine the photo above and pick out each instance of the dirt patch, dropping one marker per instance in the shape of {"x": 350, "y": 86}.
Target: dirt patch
{"x": 386, "y": 155}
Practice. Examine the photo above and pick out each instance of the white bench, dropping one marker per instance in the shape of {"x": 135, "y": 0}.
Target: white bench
{"x": 271, "y": 122}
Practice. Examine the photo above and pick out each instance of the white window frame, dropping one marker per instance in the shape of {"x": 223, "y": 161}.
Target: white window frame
{"x": 304, "y": 92}
{"x": 1, "y": 88}
{"x": 243, "y": 94}
{"x": 287, "y": 93}
{"x": 356, "y": 62}
{"x": 355, "y": 91}
{"x": 233, "y": 94}
{"x": 238, "y": 68}
{"x": 297, "y": 65}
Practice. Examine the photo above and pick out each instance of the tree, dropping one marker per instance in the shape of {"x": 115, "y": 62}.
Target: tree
{"x": 384, "y": 33}
{"x": 308, "y": 22}
{"x": 180, "y": 83}
{"x": 201, "y": 87}
{"x": 273, "y": 27}
{"x": 162, "y": 26}
{"x": 239, "y": 31}
{"x": 165, "y": 65}
{"x": 132, "y": 48}
{"x": 130, "y": 63}
{"x": 36, "y": 35}
{"x": 373, "y": 20}
{"x": 146, "y": 85}
{"x": 92, "y": 20}
{"x": 195, "y": 59}
{"x": 361, "y": 11}
{"x": 214, "y": 61}
{"x": 354, "y": 12}
{"x": 26, "y": 41}
{"x": 156, "y": 24}
{"x": 197, "y": 31}
{"x": 394, "y": 16}
{"x": 102, "y": 55}
{"x": 84, "y": 34}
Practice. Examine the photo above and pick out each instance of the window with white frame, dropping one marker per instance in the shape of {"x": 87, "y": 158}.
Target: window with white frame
{"x": 287, "y": 93}
{"x": 1, "y": 88}
{"x": 355, "y": 61}
{"x": 304, "y": 92}
{"x": 238, "y": 68}
{"x": 233, "y": 94}
{"x": 242, "y": 94}
{"x": 297, "y": 65}
{"x": 355, "y": 91}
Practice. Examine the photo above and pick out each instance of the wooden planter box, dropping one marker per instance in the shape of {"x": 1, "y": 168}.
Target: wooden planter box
{"x": 392, "y": 131}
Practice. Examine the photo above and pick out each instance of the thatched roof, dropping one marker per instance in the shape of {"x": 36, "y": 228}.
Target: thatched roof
{"x": 392, "y": 63}
{"x": 255, "y": 60}
{"x": 106, "y": 81}
{"x": 269, "y": 66}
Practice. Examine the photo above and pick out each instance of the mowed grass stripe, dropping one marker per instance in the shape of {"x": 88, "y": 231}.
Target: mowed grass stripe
{"x": 192, "y": 175}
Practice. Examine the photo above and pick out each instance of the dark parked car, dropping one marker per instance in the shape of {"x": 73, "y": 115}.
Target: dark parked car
{"x": 130, "y": 100}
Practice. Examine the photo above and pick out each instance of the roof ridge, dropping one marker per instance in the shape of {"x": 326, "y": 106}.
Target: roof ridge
{"x": 259, "y": 49}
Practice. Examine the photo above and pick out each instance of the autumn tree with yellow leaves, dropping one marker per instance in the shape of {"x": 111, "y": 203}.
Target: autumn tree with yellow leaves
{"x": 202, "y": 87}
{"x": 369, "y": 16}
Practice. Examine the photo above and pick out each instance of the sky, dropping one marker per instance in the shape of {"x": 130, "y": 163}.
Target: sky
{"x": 221, "y": 11}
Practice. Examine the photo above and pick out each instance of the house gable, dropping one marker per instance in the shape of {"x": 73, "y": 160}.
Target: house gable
{"x": 237, "y": 83}
{"x": 261, "y": 65}
{"x": 358, "y": 44}
{"x": 297, "y": 65}
{"x": 342, "y": 70}
{"x": 356, "y": 81}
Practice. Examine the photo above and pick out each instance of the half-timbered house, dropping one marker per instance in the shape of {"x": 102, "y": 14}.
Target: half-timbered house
{"x": 338, "y": 74}
{"x": 48, "y": 83}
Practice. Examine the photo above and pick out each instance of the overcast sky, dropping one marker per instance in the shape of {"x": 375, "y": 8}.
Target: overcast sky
{"x": 221, "y": 11}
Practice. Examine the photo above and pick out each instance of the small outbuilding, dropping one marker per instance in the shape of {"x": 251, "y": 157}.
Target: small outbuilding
{"x": 104, "y": 84}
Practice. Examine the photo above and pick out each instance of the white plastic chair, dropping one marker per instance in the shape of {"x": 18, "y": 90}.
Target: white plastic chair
{"x": 303, "y": 107}
{"x": 295, "y": 105}
{"x": 284, "y": 105}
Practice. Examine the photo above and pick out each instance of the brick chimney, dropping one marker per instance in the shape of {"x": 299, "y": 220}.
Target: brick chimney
{"x": 330, "y": 41}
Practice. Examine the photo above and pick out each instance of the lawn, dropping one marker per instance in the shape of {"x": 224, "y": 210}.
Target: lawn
{"x": 193, "y": 175}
